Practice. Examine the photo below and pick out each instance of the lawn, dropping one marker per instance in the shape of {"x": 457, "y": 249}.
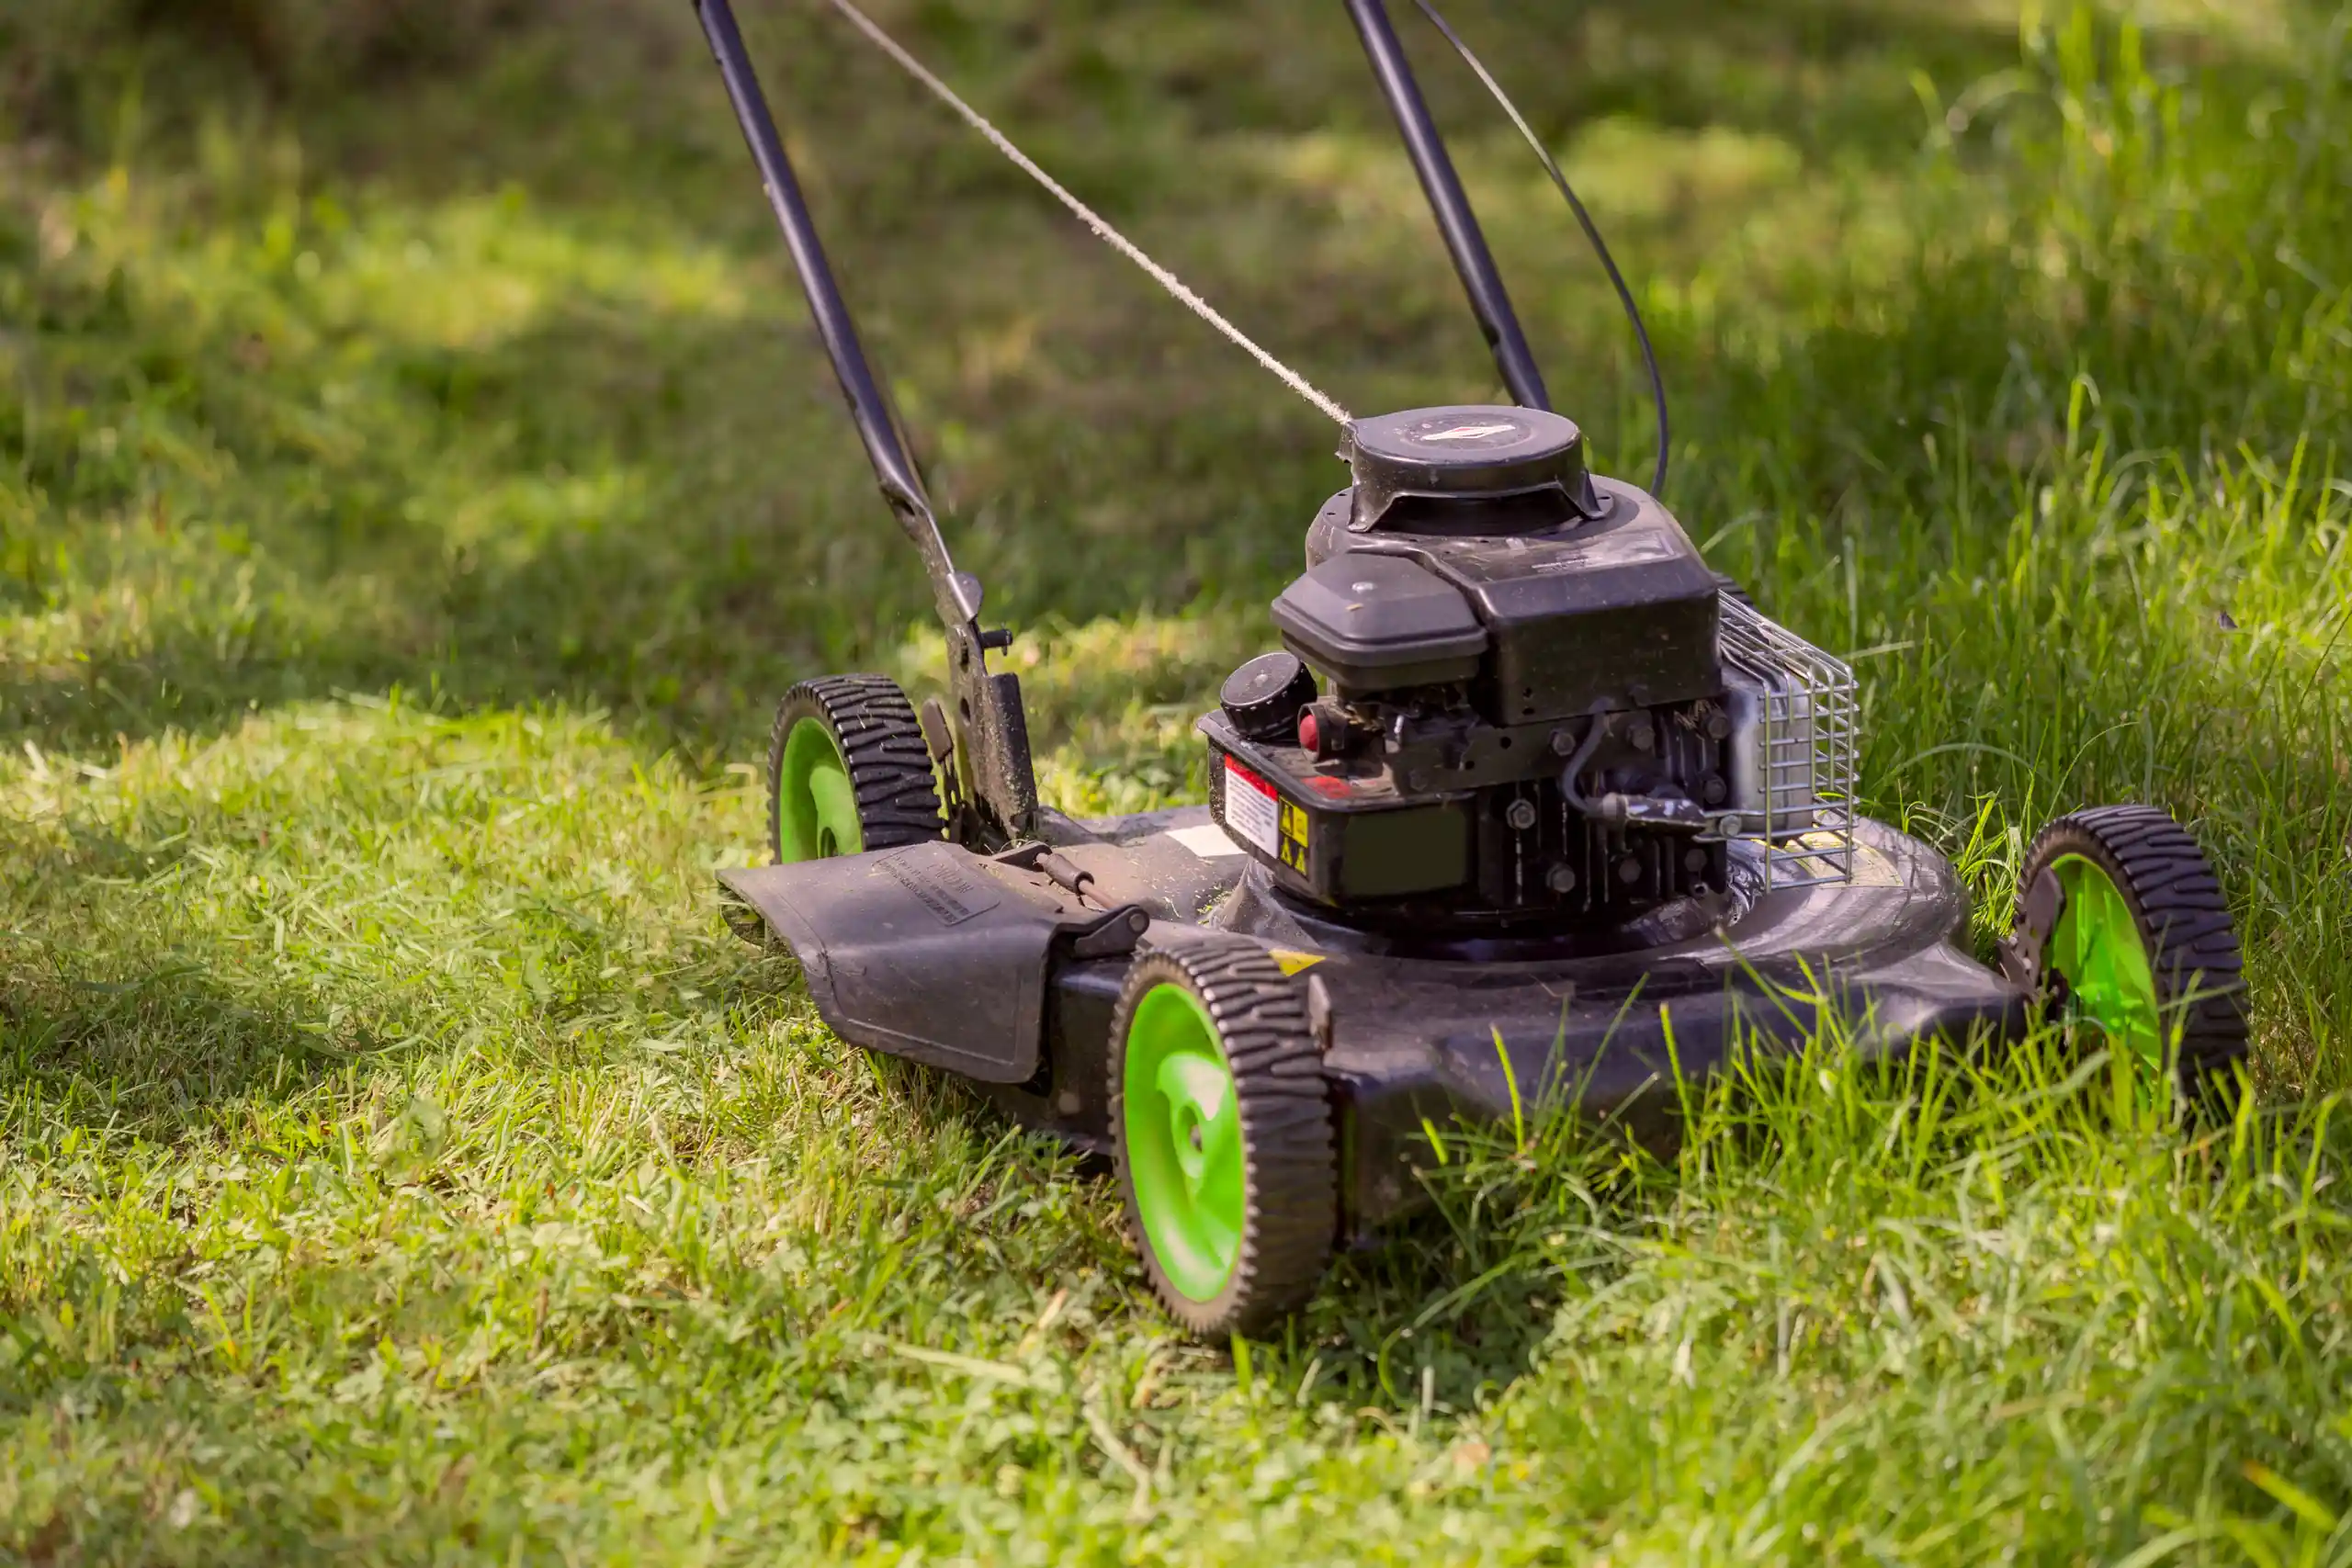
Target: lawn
{"x": 418, "y": 481}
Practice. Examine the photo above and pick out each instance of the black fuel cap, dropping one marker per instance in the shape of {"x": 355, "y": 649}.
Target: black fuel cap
{"x": 1470, "y": 452}
{"x": 1263, "y": 698}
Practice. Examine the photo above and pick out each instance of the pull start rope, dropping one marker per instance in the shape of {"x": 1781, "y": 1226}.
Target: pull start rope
{"x": 1207, "y": 312}
{"x": 1088, "y": 216}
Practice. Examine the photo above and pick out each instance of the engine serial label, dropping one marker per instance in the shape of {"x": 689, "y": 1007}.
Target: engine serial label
{"x": 1252, "y": 810}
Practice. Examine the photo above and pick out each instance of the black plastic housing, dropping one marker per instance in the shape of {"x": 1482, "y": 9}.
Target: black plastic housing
{"x": 1331, "y": 835}
{"x": 1619, "y": 610}
{"x": 1468, "y": 453}
{"x": 1374, "y": 623}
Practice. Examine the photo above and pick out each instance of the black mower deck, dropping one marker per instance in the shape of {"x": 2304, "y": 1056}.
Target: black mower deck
{"x": 1005, "y": 970}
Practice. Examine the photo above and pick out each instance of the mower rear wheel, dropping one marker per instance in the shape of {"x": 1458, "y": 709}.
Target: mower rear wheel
{"x": 848, "y": 771}
{"x": 2123, "y": 926}
{"x": 1222, "y": 1132}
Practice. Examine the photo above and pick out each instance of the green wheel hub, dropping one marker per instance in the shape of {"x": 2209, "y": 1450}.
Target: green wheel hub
{"x": 816, "y": 805}
{"x": 2097, "y": 949}
{"x": 1183, "y": 1133}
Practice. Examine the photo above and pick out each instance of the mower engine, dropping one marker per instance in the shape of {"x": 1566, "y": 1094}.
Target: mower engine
{"x": 1512, "y": 695}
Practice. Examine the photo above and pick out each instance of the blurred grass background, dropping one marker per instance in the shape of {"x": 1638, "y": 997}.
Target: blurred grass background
{"x": 417, "y": 478}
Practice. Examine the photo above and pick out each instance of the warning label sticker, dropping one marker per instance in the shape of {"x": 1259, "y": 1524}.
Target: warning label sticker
{"x": 1295, "y": 837}
{"x": 1253, "y": 812}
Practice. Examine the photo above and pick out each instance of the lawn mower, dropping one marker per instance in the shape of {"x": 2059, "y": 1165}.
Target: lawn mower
{"x": 1530, "y": 807}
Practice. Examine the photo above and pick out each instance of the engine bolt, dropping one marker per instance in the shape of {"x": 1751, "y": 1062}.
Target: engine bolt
{"x": 1563, "y": 743}
{"x": 1522, "y": 815}
{"x": 1562, "y": 879}
{"x": 1718, "y": 726}
{"x": 1694, "y": 860}
{"x": 1629, "y": 870}
{"x": 1714, "y": 790}
{"x": 1643, "y": 735}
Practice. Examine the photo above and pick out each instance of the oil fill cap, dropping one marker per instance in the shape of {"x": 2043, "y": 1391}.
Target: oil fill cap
{"x": 1468, "y": 452}
{"x": 1263, "y": 698}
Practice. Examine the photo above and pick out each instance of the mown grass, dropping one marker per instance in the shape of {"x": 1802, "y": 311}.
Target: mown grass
{"x": 415, "y": 478}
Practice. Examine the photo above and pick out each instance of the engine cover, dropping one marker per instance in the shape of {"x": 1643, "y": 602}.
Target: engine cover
{"x": 1618, "y": 608}
{"x": 1374, "y": 622}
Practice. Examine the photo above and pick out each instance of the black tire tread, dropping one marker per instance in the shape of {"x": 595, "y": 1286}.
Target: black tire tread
{"x": 889, "y": 767}
{"x": 2183, "y": 916}
{"x": 1292, "y": 1176}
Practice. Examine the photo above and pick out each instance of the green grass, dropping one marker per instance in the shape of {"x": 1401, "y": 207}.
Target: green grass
{"x": 416, "y": 478}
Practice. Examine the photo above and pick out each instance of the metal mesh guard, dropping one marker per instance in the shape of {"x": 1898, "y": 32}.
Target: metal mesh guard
{"x": 1811, "y": 733}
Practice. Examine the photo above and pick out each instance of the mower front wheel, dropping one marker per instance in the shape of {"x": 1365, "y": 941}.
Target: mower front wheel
{"x": 1222, "y": 1132}
{"x": 2122, "y": 928}
{"x": 848, "y": 771}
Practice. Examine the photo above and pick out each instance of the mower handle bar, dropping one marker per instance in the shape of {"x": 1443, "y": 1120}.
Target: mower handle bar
{"x": 958, "y": 593}
{"x": 901, "y": 482}
{"x": 1456, "y": 223}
